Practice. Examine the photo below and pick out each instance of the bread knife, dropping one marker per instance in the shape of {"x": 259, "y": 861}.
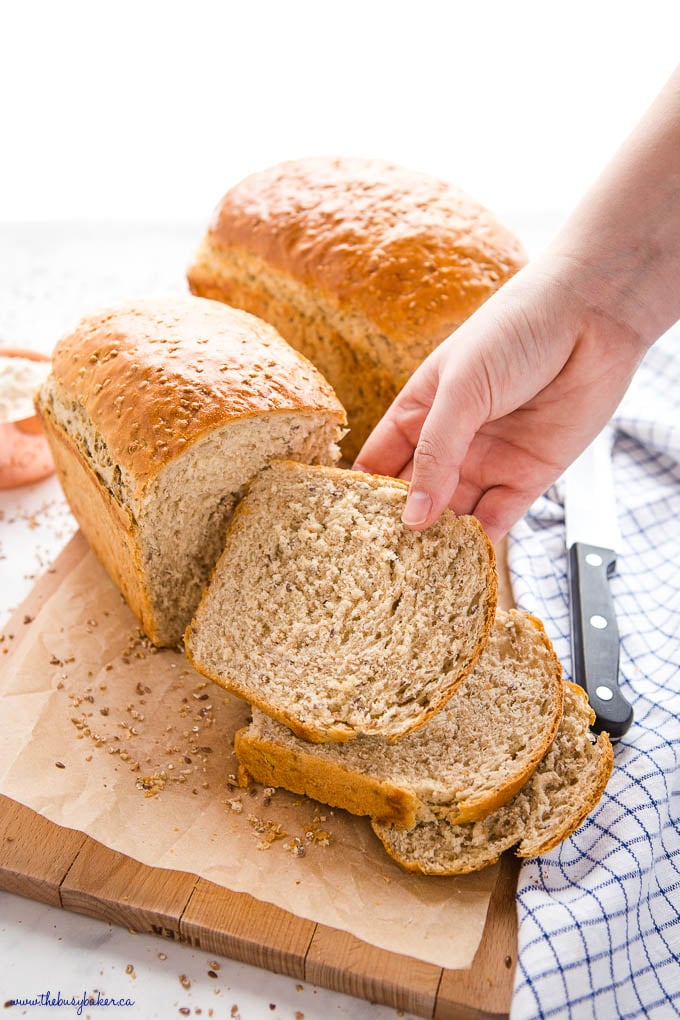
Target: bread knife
{"x": 593, "y": 539}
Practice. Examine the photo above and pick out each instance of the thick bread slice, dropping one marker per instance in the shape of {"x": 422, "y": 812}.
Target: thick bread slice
{"x": 158, "y": 413}
{"x": 469, "y": 759}
{"x": 329, "y": 614}
{"x": 563, "y": 790}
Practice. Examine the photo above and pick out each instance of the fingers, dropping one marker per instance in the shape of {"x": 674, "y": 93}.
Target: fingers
{"x": 425, "y": 435}
{"x": 465, "y": 498}
{"x": 462, "y": 431}
{"x": 449, "y": 428}
{"x": 387, "y": 450}
{"x": 501, "y": 507}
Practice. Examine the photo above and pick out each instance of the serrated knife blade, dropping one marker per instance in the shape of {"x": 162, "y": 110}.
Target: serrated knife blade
{"x": 593, "y": 540}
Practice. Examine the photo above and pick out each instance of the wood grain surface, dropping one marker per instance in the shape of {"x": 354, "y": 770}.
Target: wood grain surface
{"x": 47, "y": 862}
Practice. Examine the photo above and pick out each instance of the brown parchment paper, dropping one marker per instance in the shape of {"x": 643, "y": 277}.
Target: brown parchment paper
{"x": 101, "y": 733}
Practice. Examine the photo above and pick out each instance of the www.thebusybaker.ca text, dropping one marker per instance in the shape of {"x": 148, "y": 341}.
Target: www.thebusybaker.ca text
{"x": 48, "y": 999}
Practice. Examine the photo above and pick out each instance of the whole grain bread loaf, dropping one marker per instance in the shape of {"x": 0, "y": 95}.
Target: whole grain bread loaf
{"x": 330, "y": 615}
{"x": 563, "y": 790}
{"x": 158, "y": 413}
{"x": 361, "y": 265}
{"x": 465, "y": 762}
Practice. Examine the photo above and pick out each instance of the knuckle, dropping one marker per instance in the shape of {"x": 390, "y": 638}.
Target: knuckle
{"x": 428, "y": 455}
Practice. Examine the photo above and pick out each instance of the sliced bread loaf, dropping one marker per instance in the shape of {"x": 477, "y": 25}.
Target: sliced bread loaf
{"x": 563, "y": 790}
{"x": 466, "y": 761}
{"x": 329, "y": 614}
{"x": 158, "y": 413}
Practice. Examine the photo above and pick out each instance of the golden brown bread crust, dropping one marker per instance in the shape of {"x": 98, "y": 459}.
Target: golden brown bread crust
{"x": 154, "y": 376}
{"x": 341, "y": 731}
{"x": 417, "y": 869}
{"x": 274, "y": 765}
{"x": 361, "y": 265}
{"x": 315, "y": 328}
{"x": 108, "y": 527}
{"x": 607, "y": 765}
{"x": 412, "y": 253}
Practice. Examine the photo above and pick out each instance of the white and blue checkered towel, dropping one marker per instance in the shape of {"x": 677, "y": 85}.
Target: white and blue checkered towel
{"x": 599, "y": 917}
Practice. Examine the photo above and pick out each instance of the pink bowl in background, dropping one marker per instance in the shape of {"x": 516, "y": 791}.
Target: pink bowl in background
{"x": 24, "y": 452}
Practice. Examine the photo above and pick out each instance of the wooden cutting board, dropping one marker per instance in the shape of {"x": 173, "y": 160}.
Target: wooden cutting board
{"x": 66, "y": 868}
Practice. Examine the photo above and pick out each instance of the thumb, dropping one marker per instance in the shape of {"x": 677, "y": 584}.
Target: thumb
{"x": 460, "y": 407}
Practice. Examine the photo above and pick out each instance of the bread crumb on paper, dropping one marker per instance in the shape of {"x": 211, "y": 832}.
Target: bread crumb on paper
{"x": 121, "y": 729}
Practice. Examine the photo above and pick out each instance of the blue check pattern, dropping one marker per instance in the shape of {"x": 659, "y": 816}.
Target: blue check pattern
{"x": 599, "y": 917}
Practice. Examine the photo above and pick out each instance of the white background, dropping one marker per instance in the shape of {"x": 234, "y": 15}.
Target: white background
{"x": 149, "y": 111}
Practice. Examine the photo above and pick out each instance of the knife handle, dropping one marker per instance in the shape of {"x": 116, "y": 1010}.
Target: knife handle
{"x": 595, "y": 637}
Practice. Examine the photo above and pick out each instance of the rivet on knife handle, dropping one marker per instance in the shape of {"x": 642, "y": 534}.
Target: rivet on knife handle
{"x": 595, "y": 637}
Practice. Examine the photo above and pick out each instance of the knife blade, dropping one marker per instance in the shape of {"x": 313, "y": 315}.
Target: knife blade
{"x": 593, "y": 539}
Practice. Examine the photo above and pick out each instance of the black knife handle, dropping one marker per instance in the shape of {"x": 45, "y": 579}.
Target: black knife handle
{"x": 595, "y": 637}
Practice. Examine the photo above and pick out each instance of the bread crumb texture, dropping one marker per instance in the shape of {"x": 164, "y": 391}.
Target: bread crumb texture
{"x": 466, "y": 761}
{"x": 331, "y": 615}
{"x": 564, "y": 789}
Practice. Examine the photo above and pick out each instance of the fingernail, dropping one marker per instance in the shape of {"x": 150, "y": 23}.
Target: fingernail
{"x": 418, "y": 506}
{"x": 357, "y": 466}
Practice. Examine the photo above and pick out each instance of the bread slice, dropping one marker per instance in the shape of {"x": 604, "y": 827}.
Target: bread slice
{"x": 361, "y": 265}
{"x": 563, "y": 790}
{"x": 329, "y": 614}
{"x": 469, "y": 759}
{"x": 158, "y": 413}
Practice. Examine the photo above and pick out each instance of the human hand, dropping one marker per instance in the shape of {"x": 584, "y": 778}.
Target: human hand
{"x": 495, "y": 414}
